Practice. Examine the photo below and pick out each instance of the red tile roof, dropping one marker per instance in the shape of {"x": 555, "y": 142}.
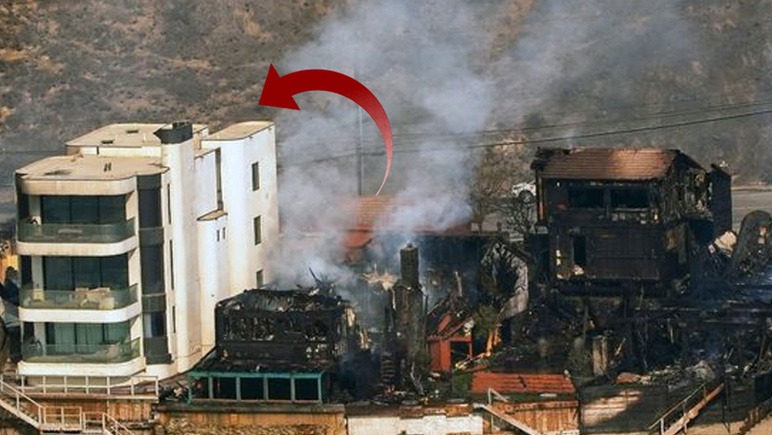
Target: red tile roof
{"x": 512, "y": 383}
{"x": 377, "y": 211}
{"x": 609, "y": 164}
{"x": 357, "y": 239}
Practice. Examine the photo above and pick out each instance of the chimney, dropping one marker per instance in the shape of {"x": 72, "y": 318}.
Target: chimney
{"x": 178, "y": 132}
{"x": 409, "y": 265}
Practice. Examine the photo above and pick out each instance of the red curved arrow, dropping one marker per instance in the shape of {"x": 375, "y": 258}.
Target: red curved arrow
{"x": 279, "y": 91}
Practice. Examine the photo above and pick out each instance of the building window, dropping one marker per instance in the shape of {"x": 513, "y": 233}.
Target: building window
{"x": 218, "y": 176}
{"x": 257, "y": 229}
{"x": 585, "y": 197}
{"x": 633, "y": 197}
{"x": 68, "y": 273}
{"x": 154, "y": 324}
{"x": 150, "y": 208}
{"x": 259, "y": 278}
{"x": 171, "y": 263}
{"x": 83, "y": 209}
{"x": 152, "y": 262}
{"x": 174, "y": 320}
{"x": 84, "y": 337}
{"x": 256, "y": 176}
{"x": 169, "y": 203}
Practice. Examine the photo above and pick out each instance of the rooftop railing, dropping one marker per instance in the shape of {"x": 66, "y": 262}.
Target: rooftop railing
{"x": 75, "y": 233}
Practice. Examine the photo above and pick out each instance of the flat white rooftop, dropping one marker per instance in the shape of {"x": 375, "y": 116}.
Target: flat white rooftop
{"x": 125, "y": 135}
{"x": 90, "y": 167}
{"x": 240, "y": 130}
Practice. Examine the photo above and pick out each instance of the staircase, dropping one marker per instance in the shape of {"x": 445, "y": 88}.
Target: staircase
{"x": 677, "y": 418}
{"x": 57, "y": 419}
{"x": 507, "y": 419}
{"x": 495, "y": 395}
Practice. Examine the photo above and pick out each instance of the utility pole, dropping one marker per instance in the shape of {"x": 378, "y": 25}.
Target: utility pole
{"x": 360, "y": 169}
{"x": 360, "y": 157}
{"x": 360, "y": 165}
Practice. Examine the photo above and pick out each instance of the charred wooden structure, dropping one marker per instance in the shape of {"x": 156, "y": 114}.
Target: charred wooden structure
{"x": 612, "y": 221}
{"x": 277, "y": 345}
{"x": 289, "y": 327}
{"x": 404, "y": 345}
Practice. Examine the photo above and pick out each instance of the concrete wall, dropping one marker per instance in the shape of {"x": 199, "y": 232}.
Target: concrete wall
{"x": 243, "y": 204}
{"x": 549, "y": 418}
{"x": 426, "y": 425}
{"x": 179, "y": 159}
{"x": 213, "y": 419}
{"x": 206, "y": 184}
{"x": 212, "y": 261}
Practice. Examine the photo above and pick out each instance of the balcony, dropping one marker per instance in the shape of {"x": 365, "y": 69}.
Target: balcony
{"x": 80, "y": 353}
{"x": 76, "y": 239}
{"x": 102, "y": 298}
{"x": 75, "y": 233}
{"x": 99, "y": 305}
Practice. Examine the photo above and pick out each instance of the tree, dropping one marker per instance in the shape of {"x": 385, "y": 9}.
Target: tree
{"x": 517, "y": 211}
{"x": 497, "y": 169}
{"x": 490, "y": 183}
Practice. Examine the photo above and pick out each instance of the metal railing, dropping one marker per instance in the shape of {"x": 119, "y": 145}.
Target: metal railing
{"x": 493, "y": 394}
{"x": 75, "y": 233}
{"x": 139, "y": 386}
{"x": 105, "y": 423}
{"x": 19, "y": 404}
{"x": 677, "y": 417}
{"x": 80, "y": 353}
{"x": 103, "y": 298}
{"x": 59, "y": 418}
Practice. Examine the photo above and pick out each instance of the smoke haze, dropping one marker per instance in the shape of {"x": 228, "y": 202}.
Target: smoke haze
{"x": 446, "y": 71}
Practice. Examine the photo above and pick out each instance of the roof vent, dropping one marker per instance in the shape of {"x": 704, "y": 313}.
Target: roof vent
{"x": 58, "y": 172}
{"x": 107, "y": 141}
{"x": 132, "y": 130}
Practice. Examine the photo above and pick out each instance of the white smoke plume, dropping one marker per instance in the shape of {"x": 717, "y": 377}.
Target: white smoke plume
{"x": 418, "y": 59}
{"x": 444, "y": 71}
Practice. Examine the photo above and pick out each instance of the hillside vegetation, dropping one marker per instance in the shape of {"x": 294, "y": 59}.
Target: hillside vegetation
{"x": 547, "y": 70}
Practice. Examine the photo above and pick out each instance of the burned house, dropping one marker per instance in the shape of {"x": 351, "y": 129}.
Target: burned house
{"x": 382, "y": 225}
{"x": 277, "y": 345}
{"x": 615, "y": 220}
{"x": 449, "y": 329}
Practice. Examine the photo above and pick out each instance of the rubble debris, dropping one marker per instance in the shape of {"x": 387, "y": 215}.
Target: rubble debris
{"x": 753, "y": 248}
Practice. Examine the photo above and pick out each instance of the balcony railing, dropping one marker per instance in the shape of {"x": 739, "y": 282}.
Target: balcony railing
{"x": 75, "y": 233}
{"x": 101, "y": 298}
{"x": 80, "y": 353}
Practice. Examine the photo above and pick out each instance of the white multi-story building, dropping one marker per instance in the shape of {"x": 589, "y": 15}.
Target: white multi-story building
{"x": 129, "y": 240}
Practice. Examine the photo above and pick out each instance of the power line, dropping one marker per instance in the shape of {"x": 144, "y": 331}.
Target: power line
{"x": 549, "y": 140}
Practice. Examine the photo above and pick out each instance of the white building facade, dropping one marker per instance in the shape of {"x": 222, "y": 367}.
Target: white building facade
{"x": 129, "y": 240}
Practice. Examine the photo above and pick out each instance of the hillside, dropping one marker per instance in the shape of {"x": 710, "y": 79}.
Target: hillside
{"x": 445, "y": 70}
